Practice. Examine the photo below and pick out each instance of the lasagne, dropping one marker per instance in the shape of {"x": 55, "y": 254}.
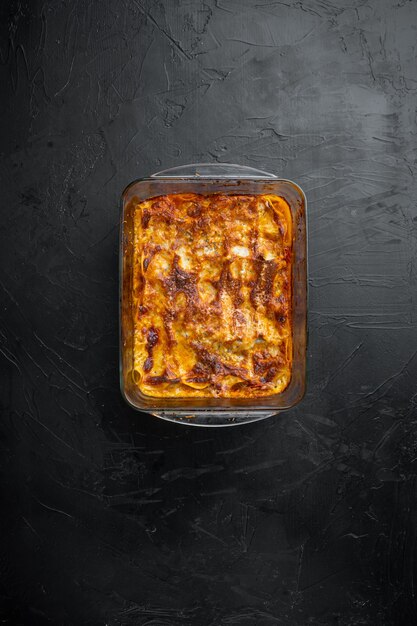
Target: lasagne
{"x": 212, "y": 295}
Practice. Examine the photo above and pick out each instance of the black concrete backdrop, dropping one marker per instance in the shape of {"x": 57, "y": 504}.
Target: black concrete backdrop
{"x": 113, "y": 517}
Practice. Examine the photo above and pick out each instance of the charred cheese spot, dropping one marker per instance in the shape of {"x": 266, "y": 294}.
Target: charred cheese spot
{"x": 212, "y": 296}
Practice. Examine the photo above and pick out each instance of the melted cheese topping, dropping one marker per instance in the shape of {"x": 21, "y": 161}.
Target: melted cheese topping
{"x": 212, "y": 295}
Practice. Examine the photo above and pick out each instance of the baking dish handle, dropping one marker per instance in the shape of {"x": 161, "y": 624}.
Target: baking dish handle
{"x": 212, "y": 170}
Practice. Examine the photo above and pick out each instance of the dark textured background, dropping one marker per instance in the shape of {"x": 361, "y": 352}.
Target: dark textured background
{"x": 114, "y": 518}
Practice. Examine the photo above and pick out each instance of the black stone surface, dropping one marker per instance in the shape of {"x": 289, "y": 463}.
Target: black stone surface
{"x": 110, "y": 517}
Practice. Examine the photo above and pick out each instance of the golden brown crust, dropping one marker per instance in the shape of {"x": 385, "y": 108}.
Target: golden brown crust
{"x": 212, "y": 295}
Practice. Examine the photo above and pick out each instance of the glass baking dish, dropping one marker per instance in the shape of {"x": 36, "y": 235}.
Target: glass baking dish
{"x": 207, "y": 178}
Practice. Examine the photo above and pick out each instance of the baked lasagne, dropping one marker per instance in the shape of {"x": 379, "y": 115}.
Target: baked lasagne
{"x": 212, "y": 295}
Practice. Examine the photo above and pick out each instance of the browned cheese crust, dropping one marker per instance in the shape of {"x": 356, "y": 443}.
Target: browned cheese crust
{"x": 212, "y": 295}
